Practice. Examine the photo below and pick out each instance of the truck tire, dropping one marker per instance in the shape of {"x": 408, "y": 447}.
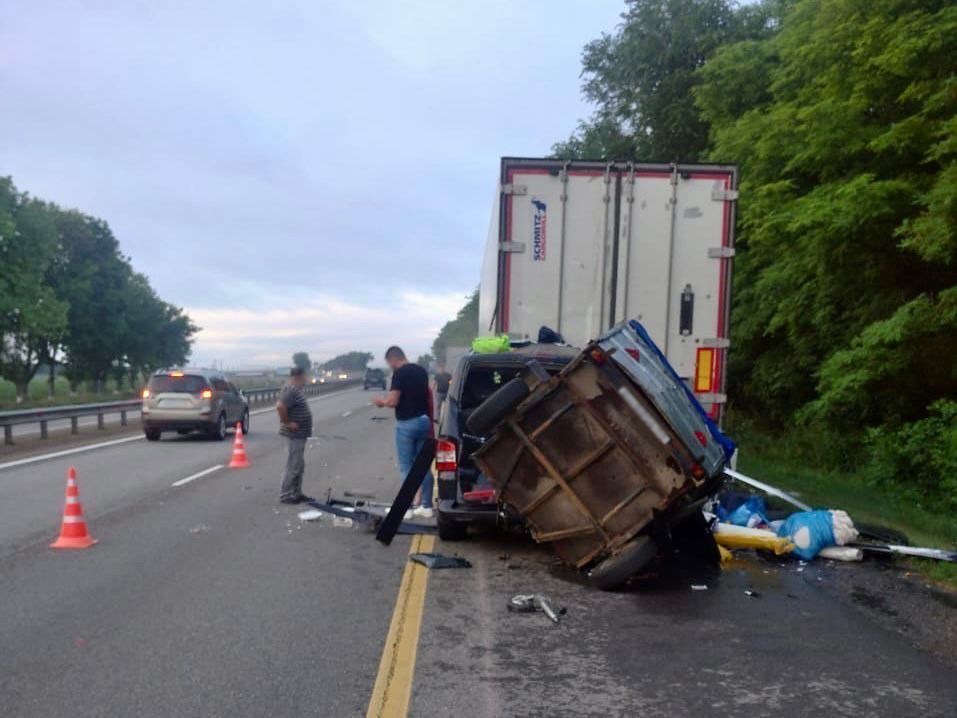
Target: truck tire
{"x": 491, "y": 411}
{"x": 615, "y": 570}
{"x": 450, "y": 530}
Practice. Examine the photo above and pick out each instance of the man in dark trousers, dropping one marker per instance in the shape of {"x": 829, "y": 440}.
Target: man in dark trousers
{"x": 295, "y": 425}
{"x": 410, "y": 397}
{"x": 442, "y": 380}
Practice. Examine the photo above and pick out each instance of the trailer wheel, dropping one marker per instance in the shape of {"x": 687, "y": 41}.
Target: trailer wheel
{"x": 614, "y": 571}
{"x": 491, "y": 411}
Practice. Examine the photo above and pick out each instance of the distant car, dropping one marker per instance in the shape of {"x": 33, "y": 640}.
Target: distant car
{"x": 186, "y": 400}
{"x": 374, "y": 377}
{"x": 343, "y": 375}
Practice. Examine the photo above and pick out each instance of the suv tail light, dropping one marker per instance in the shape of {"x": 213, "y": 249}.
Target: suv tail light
{"x": 146, "y": 393}
{"x": 206, "y": 394}
{"x": 445, "y": 459}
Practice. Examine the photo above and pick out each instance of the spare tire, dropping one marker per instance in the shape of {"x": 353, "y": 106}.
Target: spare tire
{"x": 490, "y": 412}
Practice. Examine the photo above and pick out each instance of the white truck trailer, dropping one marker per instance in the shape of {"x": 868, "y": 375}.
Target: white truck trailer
{"x": 579, "y": 246}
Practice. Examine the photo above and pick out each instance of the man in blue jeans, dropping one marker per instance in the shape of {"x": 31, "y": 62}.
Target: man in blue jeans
{"x": 409, "y": 395}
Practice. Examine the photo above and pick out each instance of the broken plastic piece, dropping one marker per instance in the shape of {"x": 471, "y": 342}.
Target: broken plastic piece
{"x": 310, "y": 515}
{"x": 437, "y": 560}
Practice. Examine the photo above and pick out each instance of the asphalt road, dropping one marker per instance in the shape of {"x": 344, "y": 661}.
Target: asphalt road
{"x": 210, "y": 599}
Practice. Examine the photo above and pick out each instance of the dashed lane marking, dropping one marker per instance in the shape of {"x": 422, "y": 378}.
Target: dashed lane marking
{"x": 68, "y": 452}
{"x": 199, "y": 475}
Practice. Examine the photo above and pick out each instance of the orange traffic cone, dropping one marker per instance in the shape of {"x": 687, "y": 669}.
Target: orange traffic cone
{"x": 239, "y": 460}
{"x": 73, "y": 533}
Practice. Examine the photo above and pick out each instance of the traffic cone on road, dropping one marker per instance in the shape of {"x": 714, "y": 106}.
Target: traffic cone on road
{"x": 73, "y": 532}
{"x": 239, "y": 460}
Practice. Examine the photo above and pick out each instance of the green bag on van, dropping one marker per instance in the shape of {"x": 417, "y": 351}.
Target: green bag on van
{"x": 491, "y": 345}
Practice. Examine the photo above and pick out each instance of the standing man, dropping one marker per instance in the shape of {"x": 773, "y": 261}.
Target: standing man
{"x": 409, "y": 396}
{"x": 442, "y": 381}
{"x": 295, "y": 424}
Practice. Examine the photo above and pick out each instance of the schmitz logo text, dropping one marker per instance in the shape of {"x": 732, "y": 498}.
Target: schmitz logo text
{"x": 539, "y": 237}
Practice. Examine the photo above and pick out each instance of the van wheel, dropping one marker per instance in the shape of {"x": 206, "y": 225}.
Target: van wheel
{"x": 491, "y": 411}
{"x": 615, "y": 570}
{"x": 218, "y": 431}
{"x": 153, "y": 434}
{"x": 450, "y": 530}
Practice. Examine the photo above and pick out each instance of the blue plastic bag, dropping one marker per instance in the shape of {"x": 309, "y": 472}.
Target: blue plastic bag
{"x": 751, "y": 513}
{"x": 809, "y": 531}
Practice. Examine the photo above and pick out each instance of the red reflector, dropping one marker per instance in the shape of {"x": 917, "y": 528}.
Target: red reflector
{"x": 702, "y": 438}
{"x": 207, "y": 394}
{"x": 633, "y": 353}
{"x": 483, "y": 496}
{"x": 445, "y": 459}
{"x": 697, "y": 471}
{"x": 597, "y": 356}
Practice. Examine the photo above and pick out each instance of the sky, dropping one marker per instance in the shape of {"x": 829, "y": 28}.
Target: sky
{"x": 313, "y": 176}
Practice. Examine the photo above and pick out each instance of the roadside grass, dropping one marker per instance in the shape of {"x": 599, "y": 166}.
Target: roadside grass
{"x": 778, "y": 464}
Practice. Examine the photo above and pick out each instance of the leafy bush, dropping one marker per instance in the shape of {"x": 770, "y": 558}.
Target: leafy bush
{"x": 920, "y": 457}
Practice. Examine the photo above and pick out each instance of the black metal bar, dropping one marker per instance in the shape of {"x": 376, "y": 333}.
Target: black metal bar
{"x": 403, "y": 499}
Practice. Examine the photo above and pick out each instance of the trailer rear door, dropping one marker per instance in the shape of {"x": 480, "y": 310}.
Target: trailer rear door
{"x": 581, "y": 246}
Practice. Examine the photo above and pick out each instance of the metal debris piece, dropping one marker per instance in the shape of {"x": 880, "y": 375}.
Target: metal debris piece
{"x": 532, "y": 602}
{"x": 699, "y": 587}
{"x": 752, "y": 594}
{"x": 437, "y": 560}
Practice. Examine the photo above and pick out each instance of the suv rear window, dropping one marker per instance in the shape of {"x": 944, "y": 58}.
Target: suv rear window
{"x": 482, "y": 382}
{"x": 186, "y": 384}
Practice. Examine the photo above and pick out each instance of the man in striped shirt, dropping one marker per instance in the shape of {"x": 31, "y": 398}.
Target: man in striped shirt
{"x": 295, "y": 424}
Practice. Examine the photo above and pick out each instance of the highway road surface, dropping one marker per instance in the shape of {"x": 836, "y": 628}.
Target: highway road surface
{"x": 205, "y": 597}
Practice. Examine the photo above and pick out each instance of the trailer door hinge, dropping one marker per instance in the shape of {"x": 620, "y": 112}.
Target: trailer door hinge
{"x": 716, "y": 343}
{"x": 512, "y": 246}
{"x": 712, "y": 398}
{"x": 518, "y": 189}
{"x": 720, "y": 252}
{"x": 724, "y": 195}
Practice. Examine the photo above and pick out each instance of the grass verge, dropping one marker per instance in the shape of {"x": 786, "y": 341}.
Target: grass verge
{"x": 772, "y": 463}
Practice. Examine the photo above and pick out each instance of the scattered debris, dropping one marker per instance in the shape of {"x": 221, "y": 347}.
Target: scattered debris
{"x": 310, "y": 515}
{"x": 752, "y": 594}
{"x": 766, "y": 488}
{"x": 343, "y": 522}
{"x": 437, "y": 560}
{"x": 699, "y": 587}
{"x": 842, "y": 553}
{"x": 531, "y": 602}
{"x": 200, "y": 529}
{"x": 378, "y": 418}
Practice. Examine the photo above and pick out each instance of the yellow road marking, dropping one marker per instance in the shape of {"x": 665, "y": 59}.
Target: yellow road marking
{"x": 393, "y": 684}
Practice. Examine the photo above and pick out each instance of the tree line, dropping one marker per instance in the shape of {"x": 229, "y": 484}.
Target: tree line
{"x": 70, "y": 301}
{"x": 842, "y": 116}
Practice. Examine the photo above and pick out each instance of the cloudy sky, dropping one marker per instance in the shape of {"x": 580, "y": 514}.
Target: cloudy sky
{"x": 311, "y": 175}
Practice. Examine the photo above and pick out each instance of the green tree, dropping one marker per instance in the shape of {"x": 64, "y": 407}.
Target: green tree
{"x": 31, "y": 316}
{"x": 641, "y": 77}
{"x": 845, "y": 310}
{"x": 459, "y": 331}
{"x": 425, "y": 361}
{"x": 302, "y": 360}
{"x": 351, "y": 361}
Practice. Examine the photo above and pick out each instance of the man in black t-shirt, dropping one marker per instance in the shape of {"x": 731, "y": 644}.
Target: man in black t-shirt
{"x": 409, "y": 395}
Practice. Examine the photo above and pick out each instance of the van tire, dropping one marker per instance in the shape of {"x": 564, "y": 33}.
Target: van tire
{"x": 450, "y": 530}
{"x": 153, "y": 434}
{"x": 615, "y": 570}
{"x": 490, "y": 412}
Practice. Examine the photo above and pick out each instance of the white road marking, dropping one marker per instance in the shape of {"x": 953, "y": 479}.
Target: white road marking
{"x": 200, "y": 475}
{"x": 68, "y": 452}
{"x": 346, "y": 413}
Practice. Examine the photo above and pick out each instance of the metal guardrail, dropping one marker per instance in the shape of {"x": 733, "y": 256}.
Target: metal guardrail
{"x": 74, "y": 412}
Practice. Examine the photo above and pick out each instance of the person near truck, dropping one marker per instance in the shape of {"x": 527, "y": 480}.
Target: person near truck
{"x": 409, "y": 395}
{"x": 295, "y": 425}
{"x": 441, "y": 380}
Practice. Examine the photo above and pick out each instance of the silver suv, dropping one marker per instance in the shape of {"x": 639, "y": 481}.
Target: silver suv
{"x": 185, "y": 400}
